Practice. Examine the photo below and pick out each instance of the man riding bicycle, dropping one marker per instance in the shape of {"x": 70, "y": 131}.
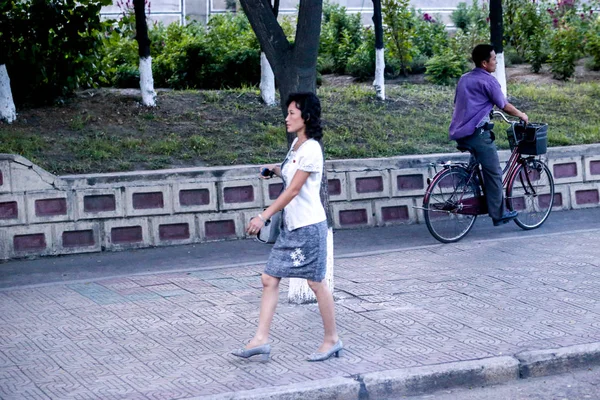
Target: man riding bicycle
{"x": 476, "y": 95}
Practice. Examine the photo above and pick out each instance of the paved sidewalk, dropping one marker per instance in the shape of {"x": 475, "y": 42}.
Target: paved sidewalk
{"x": 168, "y": 336}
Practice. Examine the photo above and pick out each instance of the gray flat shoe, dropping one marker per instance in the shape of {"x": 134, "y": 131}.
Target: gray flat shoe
{"x": 334, "y": 351}
{"x": 263, "y": 351}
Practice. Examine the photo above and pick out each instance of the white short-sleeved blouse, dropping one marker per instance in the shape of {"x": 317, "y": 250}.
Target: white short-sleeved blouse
{"x": 306, "y": 208}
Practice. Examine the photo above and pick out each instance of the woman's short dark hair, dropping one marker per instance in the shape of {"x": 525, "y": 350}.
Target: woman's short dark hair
{"x": 481, "y": 53}
{"x": 310, "y": 110}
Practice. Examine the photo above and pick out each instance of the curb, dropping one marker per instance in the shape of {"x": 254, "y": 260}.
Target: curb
{"x": 419, "y": 380}
{"x": 557, "y": 361}
{"x": 427, "y": 379}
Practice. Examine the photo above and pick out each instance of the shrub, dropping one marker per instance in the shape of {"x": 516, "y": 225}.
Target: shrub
{"x": 460, "y": 17}
{"x": 529, "y": 31}
{"x": 537, "y": 50}
{"x": 593, "y": 44}
{"x": 51, "y": 47}
{"x": 399, "y": 29}
{"x": 418, "y": 64}
{"x": 468, "y": 18}
{"x": 445, "y": 68}
{"x": 224, "y": 54}
{"x": 512, "y": 56}
{"x": 564, "y": 51}
{"x": 340, "y": 37}
{"x": 462, "y": 43}
{"x": 430, "y": 35}
{"x": 362, "y": 64}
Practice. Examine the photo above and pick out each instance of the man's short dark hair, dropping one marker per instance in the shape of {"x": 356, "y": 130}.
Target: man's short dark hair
{"x": 481, "y": 53}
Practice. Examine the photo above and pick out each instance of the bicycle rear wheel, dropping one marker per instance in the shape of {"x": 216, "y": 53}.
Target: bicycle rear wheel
{"x": 531, "y": 193}
{"x": 446, "y": 200}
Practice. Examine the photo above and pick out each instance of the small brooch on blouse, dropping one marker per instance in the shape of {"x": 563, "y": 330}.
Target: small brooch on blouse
{"x": 294, "y": 161}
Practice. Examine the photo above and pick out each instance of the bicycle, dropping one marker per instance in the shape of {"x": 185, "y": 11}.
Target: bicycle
{"x": 455, "y": 196}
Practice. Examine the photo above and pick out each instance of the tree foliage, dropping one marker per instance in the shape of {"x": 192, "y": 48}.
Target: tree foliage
{"x": 52, "y": 47}
{"x": 400, "y": 29}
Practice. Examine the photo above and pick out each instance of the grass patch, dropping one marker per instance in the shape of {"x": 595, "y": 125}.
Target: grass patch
{"x": 110, "y": 132}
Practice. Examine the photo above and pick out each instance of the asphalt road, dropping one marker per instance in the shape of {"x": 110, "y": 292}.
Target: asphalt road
{"x": 579, "y": 385}
{"x": 225, "y": 254}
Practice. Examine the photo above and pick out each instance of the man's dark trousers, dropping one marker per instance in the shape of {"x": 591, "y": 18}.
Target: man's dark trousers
{"x": 486, "y": 154}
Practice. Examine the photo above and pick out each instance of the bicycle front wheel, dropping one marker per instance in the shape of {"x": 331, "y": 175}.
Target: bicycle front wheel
{"x": 530, "y": 192}
{"x": 450, "y": 205}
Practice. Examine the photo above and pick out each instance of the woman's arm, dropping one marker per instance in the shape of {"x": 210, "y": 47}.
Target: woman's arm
{"x": 283, "y": 200}
{"x": 288, "y": 194}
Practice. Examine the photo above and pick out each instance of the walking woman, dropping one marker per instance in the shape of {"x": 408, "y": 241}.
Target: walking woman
{"x": 301, "y": 248}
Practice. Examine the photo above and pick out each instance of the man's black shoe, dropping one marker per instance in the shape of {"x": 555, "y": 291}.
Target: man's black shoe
{"x": 506, "y": 217}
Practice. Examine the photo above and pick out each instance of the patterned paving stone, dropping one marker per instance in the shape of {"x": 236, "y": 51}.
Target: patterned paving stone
{"x": 168, "y": 336}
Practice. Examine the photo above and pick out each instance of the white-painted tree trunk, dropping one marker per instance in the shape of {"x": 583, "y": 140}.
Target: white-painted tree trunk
{"x": 8, "y": 112}
{"x": 379, "y": 82}
{"x": 267, "y": 81}
{"x": 500, "y": 73}
{"x": 147, "y": 82}
{"x": 299, "y": 291}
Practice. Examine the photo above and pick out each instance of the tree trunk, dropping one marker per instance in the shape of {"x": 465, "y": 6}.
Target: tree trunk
{"x": 295, "y": 70}
{"x": 267, "y": 81}
{"x": 294, "y": 66}
{"x": 146, "y": 80}
{"x": 8, "y": 111}
{"x": 496, "y": 38}
{"x": 379, "y": 82}
{"x": 267, "y": 78}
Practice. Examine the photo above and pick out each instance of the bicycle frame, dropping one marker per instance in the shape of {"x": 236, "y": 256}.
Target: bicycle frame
{"x": 478, "y": 205}
{"x": 471, "y": 206}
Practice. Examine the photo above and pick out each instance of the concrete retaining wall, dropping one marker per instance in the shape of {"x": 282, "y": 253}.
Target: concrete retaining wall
{"x": 42, "y": 214}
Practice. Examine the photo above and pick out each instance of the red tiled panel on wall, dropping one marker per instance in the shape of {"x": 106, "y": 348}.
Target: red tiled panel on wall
{"x": 394, "y": 213}
{"x": 353, "y": 217}
{"x": 1, "y": 179}
{"x": 9, "y": 210}
{"x": 587, "y": 196}
{"x": 238, "y": 194}
{"x": 518, "y": 203}
{"x": 36, "y": 241}
{"x": 334, "y": 187}
{"x": 142, "y": 201}
{"x": 99, "y": 203}
{"x": 544, "y": 200}
{"x": 409, "y": 182}
{"x": 369, "y": 185}
{"x": 194, "y": 197}
{"x": 219, "y": 229}
{"x": 567, "y": 170}
{"x": 81, "y": 238}
{"x": 595, "y": 167}
{"x": 174, "y": 231}
{"x": 127, "y": 234}
{"x": 50, "y": 207}
{"x": 275, "y": 190}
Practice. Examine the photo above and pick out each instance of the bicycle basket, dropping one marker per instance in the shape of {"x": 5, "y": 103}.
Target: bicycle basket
{"x": 531, "y": 139}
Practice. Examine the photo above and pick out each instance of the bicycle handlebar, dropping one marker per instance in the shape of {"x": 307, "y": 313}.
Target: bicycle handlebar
{"x": 500, "y": 114}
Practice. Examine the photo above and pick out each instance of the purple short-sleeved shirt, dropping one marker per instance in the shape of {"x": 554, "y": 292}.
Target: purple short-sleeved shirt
{"x": 476, "y": 95}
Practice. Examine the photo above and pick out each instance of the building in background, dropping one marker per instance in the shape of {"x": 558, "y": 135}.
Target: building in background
{"x": 168, "y": 11}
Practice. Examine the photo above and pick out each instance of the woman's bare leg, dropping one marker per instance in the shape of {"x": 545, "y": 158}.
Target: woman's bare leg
{"x": 327, "y": 309}
{"x": 268, "y": 304}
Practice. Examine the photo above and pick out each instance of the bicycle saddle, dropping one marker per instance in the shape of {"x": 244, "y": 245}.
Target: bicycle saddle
{"x": 464, "y": 148}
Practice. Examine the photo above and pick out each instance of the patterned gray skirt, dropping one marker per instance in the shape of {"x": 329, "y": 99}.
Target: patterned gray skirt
{"x": 301, "y": 253}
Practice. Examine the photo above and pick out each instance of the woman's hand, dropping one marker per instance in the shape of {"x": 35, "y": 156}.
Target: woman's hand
{"x": 273, "y": 168}
{"x": 254, "y": 226}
